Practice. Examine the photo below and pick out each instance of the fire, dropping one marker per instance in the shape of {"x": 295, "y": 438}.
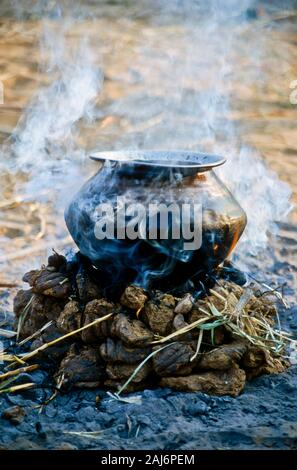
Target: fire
{"x": 235, "y": 239}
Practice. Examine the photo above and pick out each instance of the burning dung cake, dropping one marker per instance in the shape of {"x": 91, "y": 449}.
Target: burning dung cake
{"x": 147, "y": 301}
{"x": 212, "y": 342}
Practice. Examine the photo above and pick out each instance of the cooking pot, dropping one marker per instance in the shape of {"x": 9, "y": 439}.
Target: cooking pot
{"x": 151, "y": 217}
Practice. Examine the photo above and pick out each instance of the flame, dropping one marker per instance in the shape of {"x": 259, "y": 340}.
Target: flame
{"x": 235, "y": 240}
{"x": 215, "y": 247}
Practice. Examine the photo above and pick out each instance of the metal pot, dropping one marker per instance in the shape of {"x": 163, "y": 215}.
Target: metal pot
{"x": 146, "y": 179}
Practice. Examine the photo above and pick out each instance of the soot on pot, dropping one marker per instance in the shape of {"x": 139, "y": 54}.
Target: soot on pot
{"x": 186, "y": 196}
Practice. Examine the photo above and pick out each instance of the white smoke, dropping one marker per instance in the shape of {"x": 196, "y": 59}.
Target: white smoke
{"x": 194, "y": 55}
{"x": 265, "y": 199}
{"x": 44, "y": 144}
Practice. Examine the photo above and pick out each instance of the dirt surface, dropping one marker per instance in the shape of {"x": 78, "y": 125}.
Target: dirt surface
{"x": 263, "y": 416}
{"x": 131, "y": 113}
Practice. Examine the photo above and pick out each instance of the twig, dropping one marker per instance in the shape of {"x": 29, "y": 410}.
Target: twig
{"x": 135, "y": 372}
{"x": 61, "y": 338}
{"x": 273, "y": 291}
{"x": 16, "y": 388}
{"x": 181, "y": 331}
{"x": 7, "y": 333}
{"x": 23, "y": 315}
{"x": 87, "y": 434}
{"x": 137, "y": 431}
{"x": 4, "y": 321}
{"x": 36, "y": 333}
{"x": 55, "y": 394}
{"x": 21, "y": 370}
{"x": 7, "y": 357}
{"x": 139, "y": 311}
{"x": 7, "y": 284}
{"x": 18, "y": 360}
{"x": 135, "y": 400}
{"x": 242, "y": 302}
{"x": 198, "y": 346}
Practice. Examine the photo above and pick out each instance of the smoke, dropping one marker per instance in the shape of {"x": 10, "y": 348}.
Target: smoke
{"x": 185, "y": 64}
{"x": 265, "y": 199}
{"x": 44, "y": 145}
{"x": 193, "y": 69}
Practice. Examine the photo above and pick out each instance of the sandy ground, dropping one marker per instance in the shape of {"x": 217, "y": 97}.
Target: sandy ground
{"x": 143, "y": 105}
{"x": 264, "y": 416}
{"x": 160, "y": 89}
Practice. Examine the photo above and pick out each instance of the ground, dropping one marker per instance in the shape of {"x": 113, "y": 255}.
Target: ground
{"x": 263, "y": 416}
{"x": 157, "y": 68}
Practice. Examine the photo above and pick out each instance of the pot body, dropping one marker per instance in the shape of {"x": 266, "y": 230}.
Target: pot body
{"x": 157, "y": 259}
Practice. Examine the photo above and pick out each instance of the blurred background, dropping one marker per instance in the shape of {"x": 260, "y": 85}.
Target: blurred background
{"x": 219, "y": 76}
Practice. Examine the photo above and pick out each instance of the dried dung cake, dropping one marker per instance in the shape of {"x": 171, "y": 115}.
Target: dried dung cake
{"x": 210, "y": 341}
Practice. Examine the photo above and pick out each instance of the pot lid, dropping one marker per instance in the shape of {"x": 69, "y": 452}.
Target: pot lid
{"x": 182, "y": 159}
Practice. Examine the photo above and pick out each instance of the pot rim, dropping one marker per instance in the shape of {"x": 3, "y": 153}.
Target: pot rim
{"x": 161, "y": 158}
